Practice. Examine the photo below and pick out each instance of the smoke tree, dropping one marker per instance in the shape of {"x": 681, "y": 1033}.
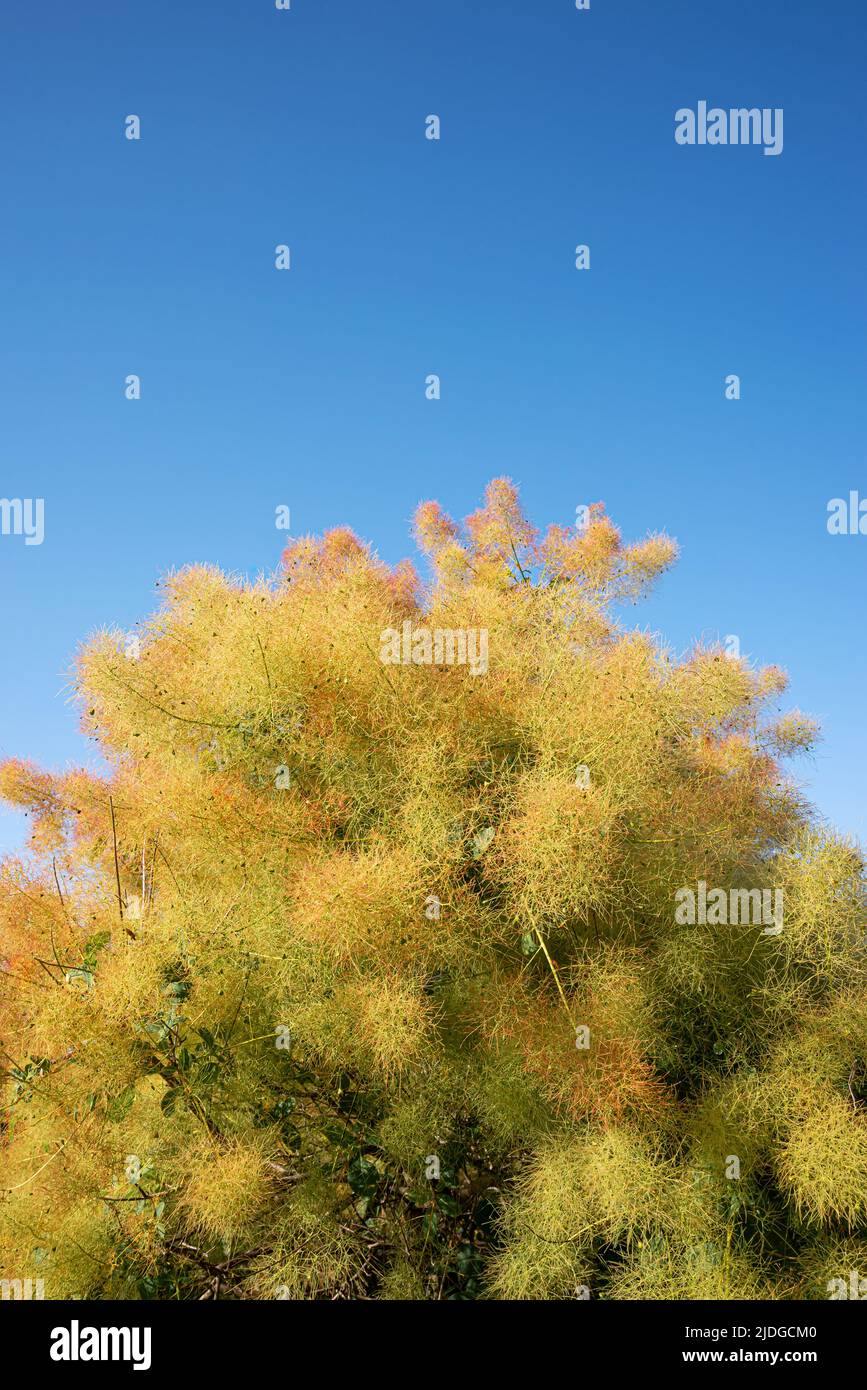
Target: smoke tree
{"x": 361, "y": 975}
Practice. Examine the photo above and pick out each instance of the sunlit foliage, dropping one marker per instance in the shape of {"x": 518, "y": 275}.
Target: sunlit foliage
{"x": 360, "y": 978}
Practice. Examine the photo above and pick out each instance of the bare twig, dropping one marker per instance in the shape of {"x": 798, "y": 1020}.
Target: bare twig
{"x": 116, "y": 863}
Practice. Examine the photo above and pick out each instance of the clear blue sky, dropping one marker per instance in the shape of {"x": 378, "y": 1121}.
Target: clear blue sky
{"x": 412, "y": 257}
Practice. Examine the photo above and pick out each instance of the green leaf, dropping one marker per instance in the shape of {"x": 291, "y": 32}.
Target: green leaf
{"x": 418, "y": 1197}
{"x": 169, "y": 1101}
{"x": 291, "y": 1135}
{"x": 341, "y": 1135}
{"x": 96, "y": 942}
{"x": 363, "y": 1177}
{"x": 120, "y": 1105}
{"x": 467, "y": 1260}
{"x": 448, "y": 1204}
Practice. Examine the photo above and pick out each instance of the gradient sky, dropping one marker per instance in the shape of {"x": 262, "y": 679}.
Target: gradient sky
{"x": 263, "y": 388}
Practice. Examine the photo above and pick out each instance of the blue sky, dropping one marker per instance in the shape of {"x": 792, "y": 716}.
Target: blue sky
{"x": 306, "y": 388}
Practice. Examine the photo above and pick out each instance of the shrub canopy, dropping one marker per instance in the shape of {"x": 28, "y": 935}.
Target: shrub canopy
{"x": 360, "y": 974}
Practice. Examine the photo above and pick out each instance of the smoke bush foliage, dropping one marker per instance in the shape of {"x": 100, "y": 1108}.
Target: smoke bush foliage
{"x": 293, "y": 1000}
